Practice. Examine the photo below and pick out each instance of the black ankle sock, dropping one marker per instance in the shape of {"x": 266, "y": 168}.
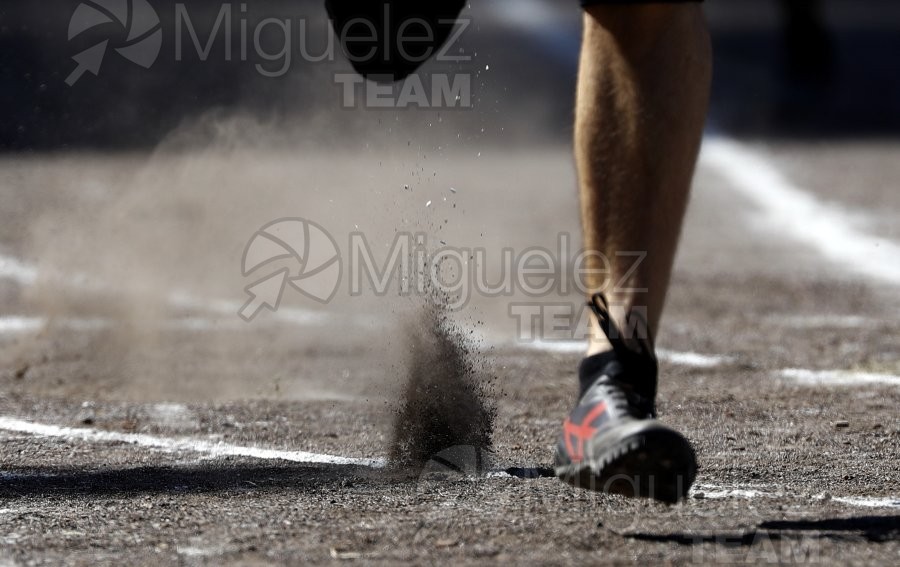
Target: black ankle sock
{"x": 592, "y": 367}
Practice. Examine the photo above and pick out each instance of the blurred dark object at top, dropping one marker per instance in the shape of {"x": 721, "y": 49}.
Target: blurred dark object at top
{"x": 814, "y": 69}
{"x": 810, "y": 51}
{"x": 414, "y": 31}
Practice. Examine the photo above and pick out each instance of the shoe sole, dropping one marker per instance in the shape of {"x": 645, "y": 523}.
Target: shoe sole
{"x": 644, "y": 459}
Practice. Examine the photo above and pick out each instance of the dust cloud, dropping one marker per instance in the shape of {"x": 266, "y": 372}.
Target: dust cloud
{"x": 139, "y": 255}
{"x": 447, "y": 400}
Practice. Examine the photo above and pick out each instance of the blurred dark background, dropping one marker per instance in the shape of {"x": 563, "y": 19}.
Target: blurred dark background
{"x": 786, "y": 68}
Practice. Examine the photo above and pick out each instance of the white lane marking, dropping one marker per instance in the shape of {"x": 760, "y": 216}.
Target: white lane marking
{"x": 864, "y": 502}
{"x": 716, "y": 492}
{"x": 179, "y": 445}
{"x": 202, "y": 551}
{"x": 173, "y": 415}
{"x": 693, "y": 359}
{"x": 838, "y": 378}
{"x": 825, "y": 321}
{"x": 13, "y": 269}
{"x": 219, "y": 449}
{"x": 16, "y": 325}
{"x": 796, "y": 213}
{"x": 25, "y": 275}
{"x": 299, "y": 317}
{"x": 20, "y": 324}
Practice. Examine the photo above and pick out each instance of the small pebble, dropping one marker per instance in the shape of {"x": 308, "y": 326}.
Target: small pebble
{"x": 842, "y": 424}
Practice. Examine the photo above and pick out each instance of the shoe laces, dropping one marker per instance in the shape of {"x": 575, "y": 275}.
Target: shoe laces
{"x": 624, "y": 399}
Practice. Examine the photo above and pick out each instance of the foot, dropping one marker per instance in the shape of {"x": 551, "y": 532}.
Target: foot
{"x": 611, "y": 442}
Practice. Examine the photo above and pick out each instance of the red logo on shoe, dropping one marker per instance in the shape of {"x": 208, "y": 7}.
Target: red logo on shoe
{"x": 581, "y": 432}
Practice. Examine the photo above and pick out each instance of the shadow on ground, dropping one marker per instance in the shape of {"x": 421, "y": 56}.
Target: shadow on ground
{"x": 874, "y": 529}
{"x": 837, "y": 83}
{"x": 186, "y": 480}
{"x": 48, "y": 481}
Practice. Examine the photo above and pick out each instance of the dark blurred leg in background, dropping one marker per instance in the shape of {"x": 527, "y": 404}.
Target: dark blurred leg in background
{"x": 810, "y": 57}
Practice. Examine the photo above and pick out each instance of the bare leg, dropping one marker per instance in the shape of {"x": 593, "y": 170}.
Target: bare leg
{"x": 643, "y": 91}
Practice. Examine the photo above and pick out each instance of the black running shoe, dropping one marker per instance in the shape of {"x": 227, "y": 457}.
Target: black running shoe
{"x": 611, "y": 442}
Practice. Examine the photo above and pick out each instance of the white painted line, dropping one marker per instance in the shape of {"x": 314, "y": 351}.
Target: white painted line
{"x": 716, "y": 492}
{"x": 697, "y": 360}
{"x": 13, "y": 269}
{"x": 25, "y": 274}
{"x": 560, "y": 347}
{"x": 865, "y": 502}
{"x": 203, "y": 551}
{"x": 179, "y": 445}
{"x": 20, "y": 325}
{"x": 838, "y": 377}
{"x": 17, "y": 325}
{"x": 299, "y": 317}
{"x": 219, "y": 449}
{"x": 798, "y": 214}
{"x": 826, "y": 321}
{"x": 693, "y": 359}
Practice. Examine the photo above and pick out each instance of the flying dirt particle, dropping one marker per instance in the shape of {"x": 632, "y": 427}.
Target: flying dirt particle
{"x": 445, "y": 402}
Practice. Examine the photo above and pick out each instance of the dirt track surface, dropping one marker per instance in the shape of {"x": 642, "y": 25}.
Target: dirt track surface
{"x": 143, "y": 422}
{"x": 791, "y": 472}
{"x": 775, "y": 466}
